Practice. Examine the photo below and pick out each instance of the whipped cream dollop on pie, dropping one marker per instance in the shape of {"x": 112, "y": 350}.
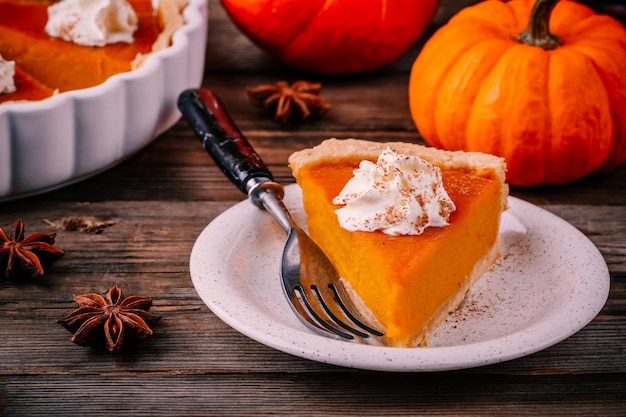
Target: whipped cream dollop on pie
{"x": 7, "y": 76}
{"x": 398, "y": 195}
{"x": 92, "y": 22}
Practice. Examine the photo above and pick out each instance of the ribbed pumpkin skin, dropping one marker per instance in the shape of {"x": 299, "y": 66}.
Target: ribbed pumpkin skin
{"x": 333, "y": 36}
{"x": 554, "y": 115}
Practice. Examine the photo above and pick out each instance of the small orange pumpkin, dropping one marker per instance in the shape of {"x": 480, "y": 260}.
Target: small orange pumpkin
{"x": 333, "y": 36}
{"x": 547, "y": 92}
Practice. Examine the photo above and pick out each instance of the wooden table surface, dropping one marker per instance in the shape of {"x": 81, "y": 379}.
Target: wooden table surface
{"x": 163, "y": 197}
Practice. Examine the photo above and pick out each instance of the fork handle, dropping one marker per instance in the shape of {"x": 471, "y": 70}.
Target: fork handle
{"x": 221, "y": 138}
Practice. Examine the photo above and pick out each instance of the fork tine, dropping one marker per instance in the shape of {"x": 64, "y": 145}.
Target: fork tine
{"x": 342, "y": 299}
{"x": 305, "y": 313}
{"x": 326, "y": 307}
{"x": 319, "y": 315}
{"x": 333, "y": 316}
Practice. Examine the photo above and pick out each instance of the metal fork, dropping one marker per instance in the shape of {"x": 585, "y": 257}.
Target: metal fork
{"x": 310, "y": 282}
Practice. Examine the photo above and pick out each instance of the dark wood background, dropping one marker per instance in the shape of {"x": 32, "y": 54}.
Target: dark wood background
{"x": 162, "y": 198}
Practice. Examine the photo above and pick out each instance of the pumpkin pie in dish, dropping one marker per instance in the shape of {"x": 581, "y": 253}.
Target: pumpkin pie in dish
{"x": 409, "y": 228}
{"x": 104, "y": 102}
{"x": 50, "y": 50}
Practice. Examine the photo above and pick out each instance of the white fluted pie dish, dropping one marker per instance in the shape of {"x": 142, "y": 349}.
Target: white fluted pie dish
{"x": 73, "y": 135}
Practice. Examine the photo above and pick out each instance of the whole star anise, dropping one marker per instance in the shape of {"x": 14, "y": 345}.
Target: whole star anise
{"x": 28, "y": 257}
{"x": 300, "y": 100}
{"x": 110, "y": 322}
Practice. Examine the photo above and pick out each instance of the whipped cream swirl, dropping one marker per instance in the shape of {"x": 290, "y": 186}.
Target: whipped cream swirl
{"x": 7, "y": 76}
{"x": 92, "y": 22}
{"x": 398, "y": 195}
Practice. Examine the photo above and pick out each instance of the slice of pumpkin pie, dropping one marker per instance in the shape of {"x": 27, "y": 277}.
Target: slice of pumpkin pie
{"x": 410, "y": 228}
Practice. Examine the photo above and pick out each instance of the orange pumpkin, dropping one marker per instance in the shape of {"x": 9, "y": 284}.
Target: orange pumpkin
{"x": 333, "y": 36}
{"x": 547, "y": 92}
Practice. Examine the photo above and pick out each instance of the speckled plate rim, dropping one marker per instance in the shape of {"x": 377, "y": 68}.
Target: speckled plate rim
{"x": 550, "y": 283}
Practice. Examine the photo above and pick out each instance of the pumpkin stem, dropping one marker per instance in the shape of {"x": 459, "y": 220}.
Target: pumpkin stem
{"x": 538, "y": 32}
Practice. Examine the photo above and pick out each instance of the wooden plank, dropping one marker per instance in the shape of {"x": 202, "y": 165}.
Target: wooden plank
{"x": 348, "y": 394}
{"x": 190, "y": 340}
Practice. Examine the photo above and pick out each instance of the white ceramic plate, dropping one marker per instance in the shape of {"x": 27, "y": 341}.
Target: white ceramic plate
{"x": 551, "y": 282}
{"x": 50, "y": 143}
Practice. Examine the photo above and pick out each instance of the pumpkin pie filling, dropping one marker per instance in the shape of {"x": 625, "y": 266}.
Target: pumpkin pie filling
{"x": 27, "y": 88}
{"x": 53, "y": 64}
{"x": 408, "y": 283}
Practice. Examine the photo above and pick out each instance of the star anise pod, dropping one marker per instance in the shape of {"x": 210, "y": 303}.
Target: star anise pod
{"x": 110, "y": 322}
{"x": 28, "y": 257}
{"x": 300, "y": 100}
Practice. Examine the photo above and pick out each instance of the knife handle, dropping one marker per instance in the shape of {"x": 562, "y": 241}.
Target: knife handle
{"x": 220, "y": 137}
